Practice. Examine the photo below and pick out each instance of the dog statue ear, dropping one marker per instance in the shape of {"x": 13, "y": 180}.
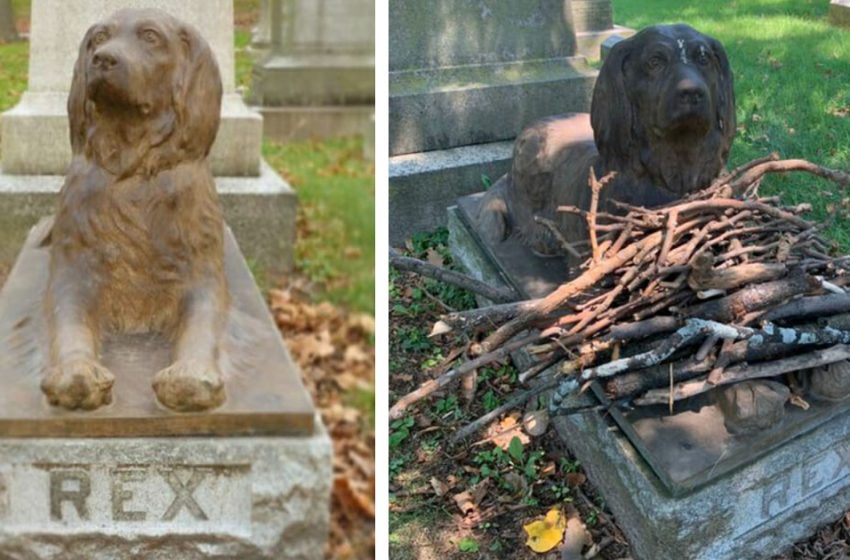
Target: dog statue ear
{"x": 78, "y": 99}
{"x": 197, "y": 95}
{"x": 726, "y": 120}
{"x": 611, "y": 113}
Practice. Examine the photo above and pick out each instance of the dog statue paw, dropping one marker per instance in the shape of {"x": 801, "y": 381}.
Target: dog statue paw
{"x": 79, "y": 383}
{"x": 752, "y": 406}
{"x": 830, "y": 382}
{"x": 189, "y": 386}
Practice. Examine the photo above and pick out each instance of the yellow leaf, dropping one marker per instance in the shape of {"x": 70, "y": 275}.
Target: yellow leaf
{"x": 546, "y": 534}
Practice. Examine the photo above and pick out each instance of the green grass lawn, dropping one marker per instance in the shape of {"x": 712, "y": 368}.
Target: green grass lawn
{"x": 792, "y": 84}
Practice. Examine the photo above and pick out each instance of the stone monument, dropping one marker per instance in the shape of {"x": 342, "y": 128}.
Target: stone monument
{"x": 149, "y": 407}
{"x": 317, "y": 78}
{"x": 683, "y": 484}
{"x": 35, "y": 152}
{"x": 465, "y": 78}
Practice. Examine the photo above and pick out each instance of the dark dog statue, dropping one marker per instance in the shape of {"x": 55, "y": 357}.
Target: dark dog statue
{"x": 662, "y": 118}
{"x": 137, "y": 244}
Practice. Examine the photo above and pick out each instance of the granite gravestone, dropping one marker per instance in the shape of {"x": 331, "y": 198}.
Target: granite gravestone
{"x": 316, "y": 76}
{"x": 134, "y": 304}
{"x": 35, "y": 151}
{"x": 8, "y": 32}
{"x": 465, "y": 78}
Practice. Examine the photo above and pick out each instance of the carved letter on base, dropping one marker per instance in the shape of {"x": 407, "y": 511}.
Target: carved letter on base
{"x": 121, "y": 477}
{"x": 60, "y": 492}
{"x": 183, "y": 494}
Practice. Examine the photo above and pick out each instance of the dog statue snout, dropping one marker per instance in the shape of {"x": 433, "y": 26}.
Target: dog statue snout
{"x": 691, "y": 92}
{"x": 105, "y": 59}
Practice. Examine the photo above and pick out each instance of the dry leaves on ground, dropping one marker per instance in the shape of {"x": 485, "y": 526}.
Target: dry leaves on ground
{"x": 337, "y": 360}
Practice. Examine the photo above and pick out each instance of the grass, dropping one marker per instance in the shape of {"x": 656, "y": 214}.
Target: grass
{"x": 336, "y": 190}
{"x": 791, "y": 86}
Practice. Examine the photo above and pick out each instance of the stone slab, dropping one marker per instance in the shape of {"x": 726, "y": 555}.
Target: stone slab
{"x": 595, "y": 44}
{"x": 839, "y": 12}
{"x": 165, "y": 498}
{"x": 314, "y": 80}
{"x": 444, "y": 33}
{"x": 754, "y": 512}
{"x": 265, "y": 395}
{"x": 260, "y": 210}
{"x": 423, "y": 185}
{"x": 461, "y": 106}
{"x": 8, "y": 32}
{"x": 35, "y": 132}
{"x": 328, "y": 26}
{"x": 592, "y": 15}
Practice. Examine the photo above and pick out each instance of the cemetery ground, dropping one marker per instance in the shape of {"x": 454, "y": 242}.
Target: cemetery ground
{"x": 325, "y": 310}
{"x": 793, "y": 94}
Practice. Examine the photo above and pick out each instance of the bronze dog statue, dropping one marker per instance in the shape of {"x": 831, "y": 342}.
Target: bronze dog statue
{"x": 662, "y": 118}
{"x": 137, "y": 244}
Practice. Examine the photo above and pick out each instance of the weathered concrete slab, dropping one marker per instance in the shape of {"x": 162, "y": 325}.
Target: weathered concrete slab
{"x": 461, "y": 106}
{"x": 754, "y": 512}
{"x": 165, "y": 498}
{"x": 265, "y": 395}
{"x": 422, "y": 185}
{"x": 260, "y": 210}
{"x": 445, "y": 33}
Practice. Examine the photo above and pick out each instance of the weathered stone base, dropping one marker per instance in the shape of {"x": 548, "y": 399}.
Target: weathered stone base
{"x": 314, "y": 79}
{"x": 755, "y": 512}
{"x": 288, "y": 124}
{"x": 165, "y": 498}
{"x": 38, "y": 124}
{"x": 590, "y": 43}
{"x": 422, "y": 185}
{"x": 260, "y": 210}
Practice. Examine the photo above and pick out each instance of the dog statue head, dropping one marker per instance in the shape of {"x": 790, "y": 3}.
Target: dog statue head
{"x": 664, "y": 108}
{"x": 146, "y": 93}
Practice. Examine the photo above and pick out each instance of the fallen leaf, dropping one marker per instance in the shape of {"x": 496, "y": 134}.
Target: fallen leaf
{"x": 575, "y": 479}
{"x": 440, "y": 327}
{"x": 434, "y": 257}
{"x": 546, "y": 534}
{"x": 501, "y": 433}
{"x": 440, "y": 487}
{"x": 351, "y": 498}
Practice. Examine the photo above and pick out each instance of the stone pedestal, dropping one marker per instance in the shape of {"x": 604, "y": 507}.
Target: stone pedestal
{"x": 465, "y": 79}
{"x": 318, "y": 78}
{"x": 127, "y": 480}
{"x": 165, "y": 498}
{"x": 682, "y": 485}
{"x": 34, "y": 133}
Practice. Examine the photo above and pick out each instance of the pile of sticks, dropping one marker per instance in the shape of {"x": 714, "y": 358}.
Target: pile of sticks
{"x": 671, "y": 302}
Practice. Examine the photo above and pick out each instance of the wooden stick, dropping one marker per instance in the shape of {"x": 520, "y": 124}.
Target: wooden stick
{"x": 743, "y": 372}
{"x": 423, "y": 268}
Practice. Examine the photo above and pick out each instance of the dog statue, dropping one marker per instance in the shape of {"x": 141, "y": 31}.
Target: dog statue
{"x": 137, "y": 243}
{"x": 662, "y": 118}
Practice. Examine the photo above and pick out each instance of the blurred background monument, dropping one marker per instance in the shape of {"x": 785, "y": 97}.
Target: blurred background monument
{"x": 315, "y": 73}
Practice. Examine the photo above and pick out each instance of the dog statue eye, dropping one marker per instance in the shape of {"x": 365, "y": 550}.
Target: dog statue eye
{"x": 99, "y": 38}
{"x": 150, "y": 36}
{"x": 656, "y": 62}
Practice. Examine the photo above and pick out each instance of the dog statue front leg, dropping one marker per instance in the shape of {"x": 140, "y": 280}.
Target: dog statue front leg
{"x": 193, "y": 382}
{"x": 75, "y": 379}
